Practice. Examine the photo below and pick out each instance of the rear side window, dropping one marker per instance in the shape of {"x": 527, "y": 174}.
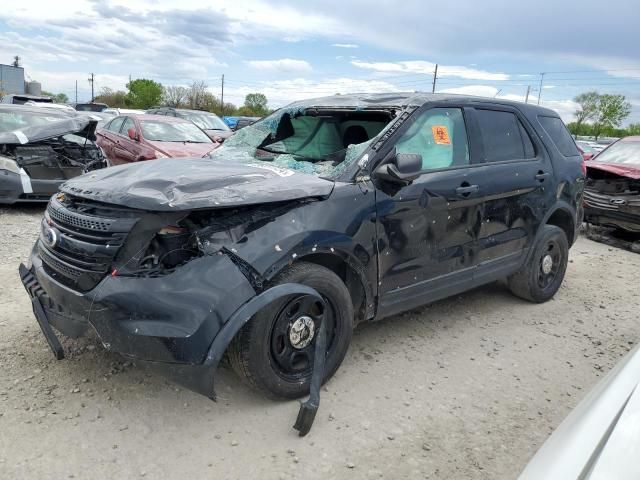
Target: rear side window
{"x": 503, "y": 136}
{"x": 554, "y": 127}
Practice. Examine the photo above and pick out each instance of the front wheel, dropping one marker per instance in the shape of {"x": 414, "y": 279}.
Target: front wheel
{"x": 540, "y": 279}
{"x": 274, "y": 351}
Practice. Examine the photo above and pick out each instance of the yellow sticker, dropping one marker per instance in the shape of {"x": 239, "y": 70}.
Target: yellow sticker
{"x": 441, "y": 135}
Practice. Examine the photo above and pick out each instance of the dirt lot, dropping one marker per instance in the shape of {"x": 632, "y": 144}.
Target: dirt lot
{"x": 467, "y": 388}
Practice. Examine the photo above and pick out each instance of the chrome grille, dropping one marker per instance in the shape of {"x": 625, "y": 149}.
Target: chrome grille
{"x": 85, "y": 244}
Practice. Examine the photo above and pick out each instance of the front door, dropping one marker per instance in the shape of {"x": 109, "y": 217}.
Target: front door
{"x": 427, "y": 230}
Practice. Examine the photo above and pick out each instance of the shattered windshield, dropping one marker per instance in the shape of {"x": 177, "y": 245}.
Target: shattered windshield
{"x": 322, "y": 143}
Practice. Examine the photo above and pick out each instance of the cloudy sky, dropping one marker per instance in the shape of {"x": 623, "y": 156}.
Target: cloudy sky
{"x": 298, "y": 49}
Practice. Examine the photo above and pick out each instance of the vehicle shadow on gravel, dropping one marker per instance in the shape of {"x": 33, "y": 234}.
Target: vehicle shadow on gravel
{"x": 87, "y": 360}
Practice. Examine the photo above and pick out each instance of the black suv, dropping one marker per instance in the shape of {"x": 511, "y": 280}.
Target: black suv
{"x": 325, "y": 214}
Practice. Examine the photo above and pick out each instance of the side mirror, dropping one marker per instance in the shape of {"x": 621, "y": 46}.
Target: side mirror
{"x": 132, "y": 134}
{"x": 401, "y": 168}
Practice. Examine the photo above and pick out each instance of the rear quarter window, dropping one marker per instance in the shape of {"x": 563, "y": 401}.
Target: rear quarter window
{"x": 555, "y": 128}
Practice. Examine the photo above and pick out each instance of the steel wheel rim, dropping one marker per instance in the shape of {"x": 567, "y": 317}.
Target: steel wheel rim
{"x": 549, "y": 264}
{"x": 295, "y": 362}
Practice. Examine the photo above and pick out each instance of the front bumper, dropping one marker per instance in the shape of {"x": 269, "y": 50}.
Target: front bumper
{"x": 612, "y": 218}
{"x": 21, "y": 188}
{"x": 178, "y": 325}
{"x": 168, "y": 322}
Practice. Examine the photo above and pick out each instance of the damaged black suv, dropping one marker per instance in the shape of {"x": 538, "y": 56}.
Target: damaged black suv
{"x": 327, "y": 213}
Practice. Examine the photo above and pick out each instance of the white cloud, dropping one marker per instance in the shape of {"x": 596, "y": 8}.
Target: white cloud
{"x": 345, "y": 45}
{"x": 565, "y": 108}
{"x": 427, "y": 68}
{"x": 479, "y": 90}
{"x": 288, "y": 65}
{"x": 283, "y": 92}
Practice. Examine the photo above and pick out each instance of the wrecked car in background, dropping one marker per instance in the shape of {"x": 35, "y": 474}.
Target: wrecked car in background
{"x": 40, "y": 148}
{"x": 134, "y": 138}
{"x": 208, "y": 122}
{"x": 612, "y": 191}
{"x": 325, "y": 214}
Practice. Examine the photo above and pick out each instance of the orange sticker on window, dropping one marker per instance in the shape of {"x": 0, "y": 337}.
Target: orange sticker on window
{"x": 441, "y": 135}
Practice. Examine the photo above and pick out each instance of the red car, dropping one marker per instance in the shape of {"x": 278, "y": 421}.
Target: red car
{"x": 586, "y": 154}
{"x": 132, "y": 138}
{"x": 612, "y": 189}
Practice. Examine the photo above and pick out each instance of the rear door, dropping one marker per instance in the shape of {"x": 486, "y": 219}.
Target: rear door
{"x": 107, "y": 137}
{"x": 517, "y": 176}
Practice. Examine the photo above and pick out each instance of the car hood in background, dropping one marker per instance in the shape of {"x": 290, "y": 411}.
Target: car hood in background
{"x": 219, "y": 133}
{"x": 600, "y": 439}
{"x": 183, "y": 149}
{"x": 624, "y": 170}
{"x": 194, "y": 183}
{"x": 84, "y": 126}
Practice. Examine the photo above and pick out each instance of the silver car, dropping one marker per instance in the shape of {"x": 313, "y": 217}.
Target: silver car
{"x": 600, "y": 439}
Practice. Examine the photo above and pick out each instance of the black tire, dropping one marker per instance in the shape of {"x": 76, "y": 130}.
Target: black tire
{"x": 263, "y": 354}
{"x": 538, "y": 283}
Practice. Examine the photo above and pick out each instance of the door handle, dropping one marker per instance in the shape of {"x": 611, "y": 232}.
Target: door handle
{"x": 542, "y": 175}
{"x": 466, "y": 190}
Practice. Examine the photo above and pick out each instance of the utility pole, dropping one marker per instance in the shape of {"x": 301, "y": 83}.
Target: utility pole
{"x": 91, "y": 81}
{"x": 540, "y": 90}
{"x": 526, "y": 97}
{"x": 76, "y": 91}
{"x": 222, "y": 96}
{"x": 435, "y": 77}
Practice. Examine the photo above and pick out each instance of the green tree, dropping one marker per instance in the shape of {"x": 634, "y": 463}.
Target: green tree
{"x": 633, "y": 129}
{"x": 611, "y": 111}
{"x": 143, "y": 93}
{"x": 61, "y": 98}
{"x": 255, "y": 104}
{"x": 587, "y": 107}
{"x": 57, "y": 97}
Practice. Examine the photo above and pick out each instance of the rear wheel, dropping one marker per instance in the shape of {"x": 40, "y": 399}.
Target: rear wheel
{"x": 274, "y": 351}
{"x": 541, "y": 277}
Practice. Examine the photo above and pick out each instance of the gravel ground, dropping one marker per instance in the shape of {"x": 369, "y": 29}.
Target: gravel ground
{"x": 469, "y": 387}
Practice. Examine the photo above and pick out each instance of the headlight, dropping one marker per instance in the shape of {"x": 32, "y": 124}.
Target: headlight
{"x": 9, "y": 164}
{"x": 159, "y": 154}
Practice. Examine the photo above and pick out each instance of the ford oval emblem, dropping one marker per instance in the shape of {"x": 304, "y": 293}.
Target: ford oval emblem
{"x": 50, "y": 236}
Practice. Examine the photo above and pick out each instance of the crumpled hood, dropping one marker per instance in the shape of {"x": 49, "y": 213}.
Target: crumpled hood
{"x": 195, "y": 183}
{"x": 180, "y": 149}
{"x": 623, "y": 170}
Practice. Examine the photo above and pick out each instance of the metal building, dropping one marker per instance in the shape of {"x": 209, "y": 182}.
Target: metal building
{"x": 11, "y": 79}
